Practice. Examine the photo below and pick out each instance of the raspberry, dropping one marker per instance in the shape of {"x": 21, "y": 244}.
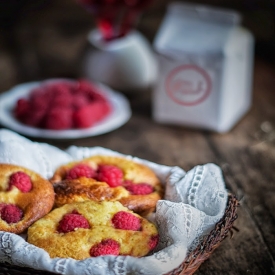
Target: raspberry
{"x": 110, "y": 174}
{"x": 81, "y": 170}
{"x": 72, "y": 221}
{"x": 91, "y": 91}
{"x": 61, "y": 101}
{"x": 127, "y": 221}
{"x": 80, "y": 101}
{"x": 59, "y": 119}
{"x": 153, "y": 242}
{"x": 105, "y": 247}
{"x": 89, "y": 114}
{"x": 60, "y": 88}
{"x": 11, "y": 213}
{"x": 40, "y": 100}
{"x": 139, "y": 189}
{"x": 20, "y": 180}
{"x": 61, "y": 94}
{"x": 34, "y": 117}
{"x": 31, "y": 112}
{"x": 21, "y": 108}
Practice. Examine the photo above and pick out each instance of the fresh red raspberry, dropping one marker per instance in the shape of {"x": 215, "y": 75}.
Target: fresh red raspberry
{"x": 80, "y": 101}
{"x": 20, "y": 180}
{"x": 61, "y": 88}
{"x": 110, "y": 174}
{"x": 62, "y": 101}
{"x": 127, "y": 221}
{"x": 153, "y": 242}
{"x": 95, "y": 95}
{"x": 89, "y": 114}
{"x": 62, "y": 95}
{"x": 34, "y": 117}
{"x": 139, "y": 188}
{"x": 32, "y": 111}
{"x": 59, "y": 119}
{"x": 21, "y": 108}
{"x": 81, "y": 170}
{"x": 72, "y": 221}
{"x": 90, "y": 90}
{"x": 11, "y": 213}
{"x": 39, "y": 100}
{"x": 63, "y": 105}
{"x": 105, "y": 247}
{"x": 83, "y": 85}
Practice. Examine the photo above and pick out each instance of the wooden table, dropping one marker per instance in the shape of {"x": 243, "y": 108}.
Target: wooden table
{"x": 246, "y": 155}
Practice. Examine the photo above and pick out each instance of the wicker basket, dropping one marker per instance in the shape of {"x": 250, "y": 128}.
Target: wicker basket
{"x": 191, "y": 263}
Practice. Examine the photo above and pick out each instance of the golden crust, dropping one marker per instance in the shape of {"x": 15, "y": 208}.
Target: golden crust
{"x": 77, "y": 244}
{"x": 35, "y": 204}
{"x": 133, "y": 171}
{"x": 77, "y": 190}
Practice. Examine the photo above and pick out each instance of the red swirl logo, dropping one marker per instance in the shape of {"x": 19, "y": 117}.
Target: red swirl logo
{"x": 188, "y": 85}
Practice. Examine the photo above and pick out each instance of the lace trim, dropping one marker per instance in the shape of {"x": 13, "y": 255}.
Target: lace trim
{"x": 119, "y": 266}
{"x": 6, "y": 245}
{"x": 165, "y": 239}
{"x": 61, "y": 266}
{"x": 197, "y": 179}
{"x": 188, "y": 222}
{"x": 199, "y": 234}
{"x": 220, "y": 193}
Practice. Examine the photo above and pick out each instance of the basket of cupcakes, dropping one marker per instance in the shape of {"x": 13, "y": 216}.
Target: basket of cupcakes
{"x": 103, "y": 212}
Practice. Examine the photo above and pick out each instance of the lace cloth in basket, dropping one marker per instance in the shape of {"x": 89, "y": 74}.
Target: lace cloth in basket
{"x": 194, "y": 202}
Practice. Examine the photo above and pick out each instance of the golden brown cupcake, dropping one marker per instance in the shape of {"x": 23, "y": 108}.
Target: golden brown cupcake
{"x": 81, "y": 189}
{"x": 89, "y": 229}
{"x": 133, "y": 184}
{"x": 24, "y": 198}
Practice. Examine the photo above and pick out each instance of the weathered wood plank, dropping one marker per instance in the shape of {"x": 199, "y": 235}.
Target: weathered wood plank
{"x": 249, "y": 154}
{"x": 232, "y": 257}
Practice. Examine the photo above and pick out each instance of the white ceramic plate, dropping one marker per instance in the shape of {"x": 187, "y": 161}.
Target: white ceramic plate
{"x": 120, "y": 114}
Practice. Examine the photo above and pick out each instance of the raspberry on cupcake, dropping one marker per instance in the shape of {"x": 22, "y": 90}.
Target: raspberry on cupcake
{"x": 127, "y": 221}
{"x": 11, "y": 213}
{"x": 81, "y": 170}
{"x": 105, "y": 247}
{"x": 71, "y": 222}
{"x": 20, "y": 180}
{"x": 110, "y": 174}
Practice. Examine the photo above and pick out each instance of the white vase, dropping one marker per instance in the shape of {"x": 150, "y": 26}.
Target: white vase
{"x": 126, "y": 64}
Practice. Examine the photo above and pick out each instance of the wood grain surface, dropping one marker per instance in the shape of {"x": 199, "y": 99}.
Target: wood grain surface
{"x": 48, "y": 40}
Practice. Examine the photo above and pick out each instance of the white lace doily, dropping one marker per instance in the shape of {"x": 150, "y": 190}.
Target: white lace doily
{"x": 194, "y": 202}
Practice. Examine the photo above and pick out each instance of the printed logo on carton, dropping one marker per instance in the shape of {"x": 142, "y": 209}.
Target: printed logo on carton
{"x": 188, "y": 85}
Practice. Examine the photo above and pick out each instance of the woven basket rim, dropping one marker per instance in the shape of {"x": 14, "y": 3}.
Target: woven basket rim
{"x": 203, "y": 251}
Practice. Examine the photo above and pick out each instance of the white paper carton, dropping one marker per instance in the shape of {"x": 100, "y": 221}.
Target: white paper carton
{"x": 205, "y": 60}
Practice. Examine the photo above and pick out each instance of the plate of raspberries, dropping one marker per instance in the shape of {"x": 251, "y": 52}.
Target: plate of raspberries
{"x": 63, "y": 109}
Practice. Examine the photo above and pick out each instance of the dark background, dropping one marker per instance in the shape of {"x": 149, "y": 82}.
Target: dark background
{"x": 45, "y": 38}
